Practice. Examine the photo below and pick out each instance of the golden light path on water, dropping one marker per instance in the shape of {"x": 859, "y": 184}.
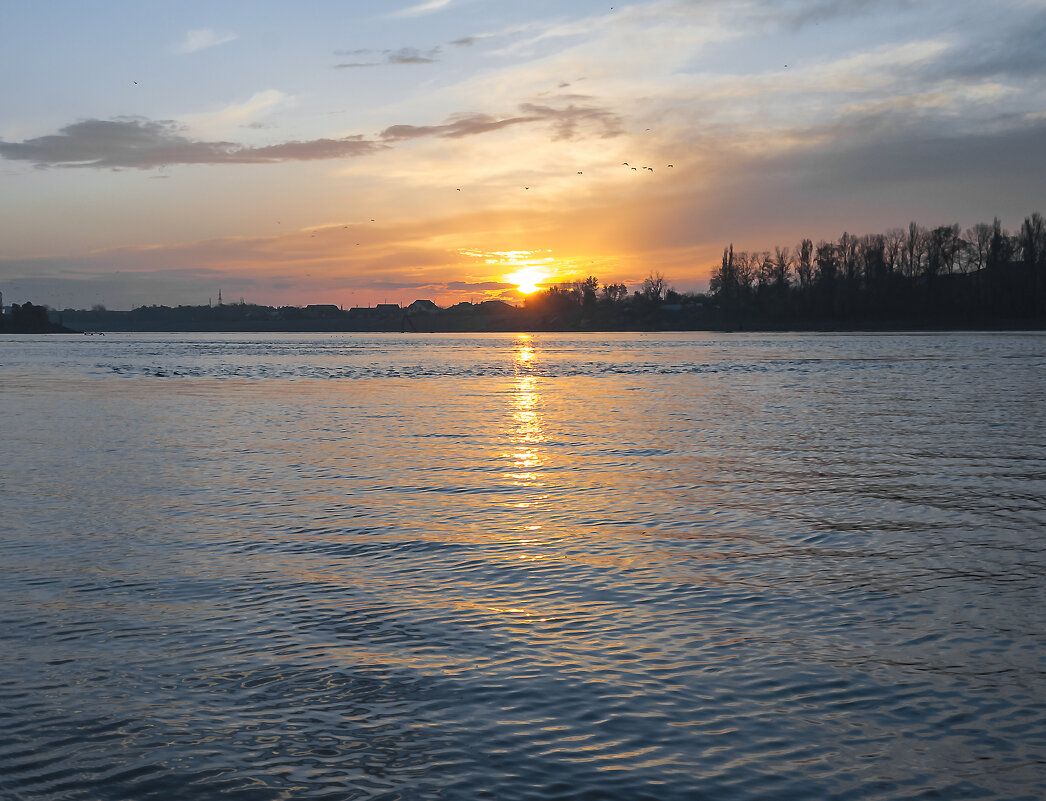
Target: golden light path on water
{"x": 525, "y": 460}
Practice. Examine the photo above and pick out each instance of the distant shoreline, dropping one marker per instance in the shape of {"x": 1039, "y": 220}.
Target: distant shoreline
{"x": 856, "y": 327}
{"x": 50, "y": 328}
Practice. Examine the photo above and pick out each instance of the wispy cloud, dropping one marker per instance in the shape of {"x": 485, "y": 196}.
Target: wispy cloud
{"x": 404, "y": 55}
{"x": 410, "y": 55}
{"x": 1015, "y": 51}
{"x": 210, "y": 123}
{"x": 566, "y": 121}
{"x": 459, "y": 125}
{"x": 137, "y": 143}
{"x": 807, "y": 12}
{"x": 201, "y": 39}
{"x": 422, "y": 8}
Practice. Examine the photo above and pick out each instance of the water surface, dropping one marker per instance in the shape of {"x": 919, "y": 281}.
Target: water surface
{"x": 628, "y": 566}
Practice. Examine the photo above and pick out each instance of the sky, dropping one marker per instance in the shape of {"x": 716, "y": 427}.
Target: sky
{"x": 360, "y": 152}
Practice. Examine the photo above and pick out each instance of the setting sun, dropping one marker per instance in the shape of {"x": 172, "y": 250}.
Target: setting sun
{"x": 526, "y": 280}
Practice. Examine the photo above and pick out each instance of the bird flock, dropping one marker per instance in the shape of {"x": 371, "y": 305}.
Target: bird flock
{"x": 623, "y": 164}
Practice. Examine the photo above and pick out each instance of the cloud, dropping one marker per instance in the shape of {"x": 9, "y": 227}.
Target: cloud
{"x": 140, "y": 143}
{"x": 477, "y": 285}
{"x": 566, "y": 122}
{"x": 134, "y": 142}
{"x": 1014, "y": 51}
{"x": 202, "y": 39}
{"x": 422, "y": 8}
{"x": 237, "y": 115}
{"x": 902, "y": 156}
{"x": 798, "y": 15}
{"x": 459, "y": 126}
{"x": 411, "y": 55}
{"x": 405, "y": 55}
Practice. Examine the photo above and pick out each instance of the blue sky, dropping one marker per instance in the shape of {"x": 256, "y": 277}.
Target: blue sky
{"x": 357, "y": 152}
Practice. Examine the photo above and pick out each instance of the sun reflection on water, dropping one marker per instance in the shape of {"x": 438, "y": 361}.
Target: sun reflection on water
{"x": 525, "y": 436}
{"x": 528, "y": 427}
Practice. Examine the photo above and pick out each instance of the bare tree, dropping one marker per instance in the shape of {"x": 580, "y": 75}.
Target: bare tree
{"x": 914, "y": 246}
{"x": 654, "y": 287}
{"x": 978, "y": 240}
{"x": 782, "y": 268}
{"x": 846, "y": 253}
{"x": 745, "y": 270}
{"x": 894, "y": 250}
{"x": 804, "y": 268}
{"x": 827, "y": 263}
{"x": 1032, "y": 240}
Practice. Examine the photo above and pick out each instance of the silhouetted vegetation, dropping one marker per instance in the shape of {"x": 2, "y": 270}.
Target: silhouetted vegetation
{"x": 587, "y": 305}
{"x": 912, "y": 277}
{"x": 903, "y": 278}
{"x": 27, "y": 318}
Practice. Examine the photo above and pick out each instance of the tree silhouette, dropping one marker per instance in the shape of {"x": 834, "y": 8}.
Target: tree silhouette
{"x": 909, "y": 276}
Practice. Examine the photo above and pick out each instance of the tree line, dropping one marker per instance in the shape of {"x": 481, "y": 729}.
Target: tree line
{"x": 912, "y": 276}
{"x": 915, "y": 274}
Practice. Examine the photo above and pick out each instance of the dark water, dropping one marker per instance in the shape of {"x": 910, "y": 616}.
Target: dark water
{"x": 579, "y": 567}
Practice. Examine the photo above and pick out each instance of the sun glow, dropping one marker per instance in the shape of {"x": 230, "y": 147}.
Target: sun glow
{"x": 526, "y": 280}
{"x": 531, "y": 269}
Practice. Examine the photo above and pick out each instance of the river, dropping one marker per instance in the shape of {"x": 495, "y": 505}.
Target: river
{"x": 548, "y": 566}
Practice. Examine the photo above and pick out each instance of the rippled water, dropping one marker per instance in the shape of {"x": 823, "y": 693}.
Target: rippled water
{"x": 683, "y": 566}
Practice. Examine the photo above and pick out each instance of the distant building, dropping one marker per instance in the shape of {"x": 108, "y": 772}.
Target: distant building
{"x": 496, "y": 307}
{"x": 422, "y": 307}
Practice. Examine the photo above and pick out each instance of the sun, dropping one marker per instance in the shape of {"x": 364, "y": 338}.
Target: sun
{"x": 526, "y": 280}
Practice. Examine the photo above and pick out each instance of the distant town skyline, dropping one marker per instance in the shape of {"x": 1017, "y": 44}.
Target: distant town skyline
{"x": 360, "y": 152}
